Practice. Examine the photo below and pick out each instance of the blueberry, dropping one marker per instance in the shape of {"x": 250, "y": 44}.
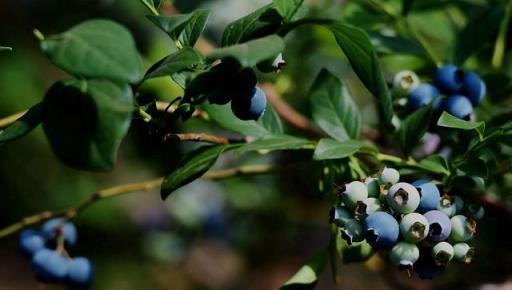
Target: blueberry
{"x": 354, "y": 192}
{"x": 442, "y": 253}
{"x": 372, "y": 185}
{"x": 403, "y": 198}
{"x": 449, "y": 78}
{"x": 50, "y": 266}
{"x": 463, "y": 252}
{"x": 352, "y": 231}
{"x": 381, "y": 230}
{"x": 440, "y": 225}
{"x": 430, "y": 195}
{"x": 389, "y": 176}
{"x": 463, "y": 228}
{"x": 80, "y": 273}
{"x": 421, "y": 96}
{"x": 459, "y": 203}
{"x": 426, "y": 267}
{"x": 404, "y": 255}
{"x": 414, "y": 227}
{"x": 54, "y": 227}
{"x": 31, "y": 241}
{"x": 474, "y": 88}
{"x": 341, "y": 216}
{"x": 447, "y": 205}
{"x": 459, "y": 106}
{"x": 406, "y": 80}
{"x": 249, "y": 105}
{"x": 475, "y": 211}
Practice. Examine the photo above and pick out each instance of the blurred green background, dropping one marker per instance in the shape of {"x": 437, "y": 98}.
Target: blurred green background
{"x": 242, "y": 233}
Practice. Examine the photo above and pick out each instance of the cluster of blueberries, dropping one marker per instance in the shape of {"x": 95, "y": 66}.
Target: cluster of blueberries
{"x": 422, "y": 230}
{"x": 50, "y": 261}
{"x": 456, "y": 91}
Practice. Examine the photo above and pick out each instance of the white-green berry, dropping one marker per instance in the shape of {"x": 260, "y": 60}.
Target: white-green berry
{"x": 404, "y": 255}
{"x": 373, "y": 187}
{"x": 341, "y": 216}
{"x": 354, "y": 191}
{"x": 403, "y": 198}
{"x": 475, "y": 211}
{"x": 463, "y": 228}
{"x": 414, "y": 227}
{"x": 442, "y": 253}
{"x": 447, "y": 205}
{"x": 352, "y": 231}
{"x": 463, "y": 252}
{"x": 459, "y": 204}
{"x": 389, "y": 177}
{"x": 371, "y": 205}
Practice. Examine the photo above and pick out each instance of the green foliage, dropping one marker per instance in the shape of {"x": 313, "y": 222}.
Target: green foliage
{"x": 414, "y": 127}
{"x": 287, "y": 8}
{"x": 333, "y": 149}
{"x": 183, "y": 27}
{"x": 179, "y": 61}
{"x": 23, "y": 126}
{"x": 277, "y": 142}
{"x": 449, "y": 121}
{"x": 307, "y": 276}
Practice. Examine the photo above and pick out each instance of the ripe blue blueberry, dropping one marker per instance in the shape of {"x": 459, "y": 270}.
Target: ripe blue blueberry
{"x": 440, "y": 225}
{"x": 421, "y": 96}
{"x": 373, "y": 187}
{"x": 474, "y": 88}
{"x": 341, "y": 216}
{"x": 54, "y": 227}
{"x": 459, "y": 106}
{"x": 449, "y": 78}
{"x": 463, "y": 252}
{"x": 447, "y": 205}
{"x": 403, "y": 198}
{"x": 31, "y": 241}
{"x": 475, "y": 211}
{"x": 414, "y": 227}
{"x": 430, "y": 195}
{"x": 352, "y": 231}
{"x": 381, "y": 230}
{"x": 80, "y": 272}
{"x": 50, "y": 266}
{"x": 404, "y": 255}
{"x": 249, "y": 106}
{"x": 354, "y": 192}
{"x": 389, "y": 177}
{"x": 463, "y": 228}
{"x": 442, "y": 253}
{"x": 426, "y": 267}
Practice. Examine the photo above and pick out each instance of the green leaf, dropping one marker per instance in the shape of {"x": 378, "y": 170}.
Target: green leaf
{"x": 96, "y": 49}
{"x": 172, "y": 25}
{"x": 179, "y": 61}
{"x": 334, "y": 111}
{"x": 436, "y": 164}
{"x": 277, "y": 142}
{"x": 194, "y": 27}
{"x": 287, "y": 8}
{"x": 85, "y": 122}
{"x": 356, "y": 45}
{"x": 449, "y": 121}
{"x": 308, "y": 275}
{"x": 333, "y": 149}
{"x": 250, "y": 53}
{"x": 271, "y": 121}
{"x": 262, "y": 22}
{"x": 407, "y": 5}
{"x": 23, "y": 125}
{"x": 484, "y": 26}
{"x": 193, "y": 166}
{"x": 413, "y": 128}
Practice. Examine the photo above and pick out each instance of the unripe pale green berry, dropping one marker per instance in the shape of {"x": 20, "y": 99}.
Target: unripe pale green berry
{"x": 414, "y": 227}
{"x": 357, "y": 252}
{"x": 447, "y": 205}
{"x": 463, "y": 228}
{"x": 341, "y": 216}
{"x": 403, "y": 198}
{"x": 373, "y": 187}
{"x": 463, "y": 252}
{"x": 404, "y": 255}
{"x": 475, "y": 211}
{"x": 354, "y": 191}
{"x": 442, "y": 253}
{"x": 352, "y": 231}
{"x": 389, "y": 177}
{"x": 459, "y": 203}
{"x": 368, "y": 206}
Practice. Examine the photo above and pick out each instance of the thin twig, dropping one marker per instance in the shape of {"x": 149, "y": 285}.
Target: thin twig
{"x": 197, "y": 137}
{"x": 7, "y": 121}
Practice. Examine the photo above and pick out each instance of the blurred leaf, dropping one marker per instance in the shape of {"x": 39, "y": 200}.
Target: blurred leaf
{"x": 179, "y": 61}
{"x": 407, "y": 6}
{"x": 250, "y": 53}
{"x": 277, "y": 142}
{"x": 499, "y": 86}
{"x": 332, "y": 149}
{"x": 449, "y": 121}
{"x": 394, "y": 44}
{"x": 436, "y": 164}
{"x": 2, "y": 48}
{"x": 86, "y": 121}
{"x": 308, "y": 275}
{"x": 479, "y": 32}
{"x": 357, "y": 47}
{"x": 271, "y": 121}
{"x": 333, "y": 111}
{"x": 96, "y": 49}
{"x": 287, "y": 8}
{"x": 262, "y": 22}
{"x": 194, "y": 27}
{"x": 225, "y": 118}
{"x": 413, "y": 128}
{"x": 23, "y": 125}
{"x": 193, "y": 166}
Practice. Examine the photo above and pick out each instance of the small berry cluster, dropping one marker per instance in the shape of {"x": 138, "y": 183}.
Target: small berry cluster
{"x": 456, "y": 91}
{"x": 50, "y": 261}
{"x": 422, "y": 230}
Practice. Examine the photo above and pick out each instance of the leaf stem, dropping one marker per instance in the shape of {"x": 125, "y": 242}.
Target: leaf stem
{"x": 501, "y": 41}
{"x": 9, "y": 120}
{"x": 150, "y": 7}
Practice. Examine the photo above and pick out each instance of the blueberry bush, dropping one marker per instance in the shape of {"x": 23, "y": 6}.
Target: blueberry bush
{"x": 407, "y": 145}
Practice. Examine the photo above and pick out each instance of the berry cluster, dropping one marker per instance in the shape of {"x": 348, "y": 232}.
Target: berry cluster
{"x": 50, "y": 261}
{"x": 455, "y": 91}
{"x": 422, "y": 229}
